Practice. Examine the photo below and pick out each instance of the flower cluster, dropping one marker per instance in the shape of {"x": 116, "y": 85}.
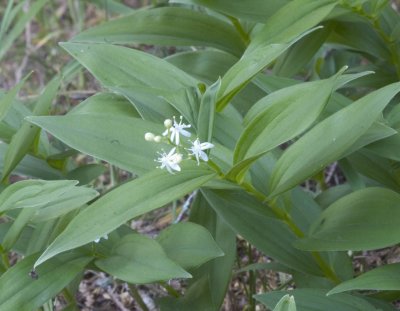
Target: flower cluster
{"x": 172, "y": 135}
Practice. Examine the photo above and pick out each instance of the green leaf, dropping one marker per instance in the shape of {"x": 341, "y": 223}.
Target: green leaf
{"x": 24, "y": 138}
{"x": 19, "y": 26}
{"x": 316, "y": 300}
{"x": 218, "y": 271}
{"x": 252, "y": 10}
{"x": 254, "y": 222}
{"x": 286, "y": 303}
{"x": 196, "y": 298}
{"x": 376, "y": 133}
{"x": 209, "y": 65}
{"x": 388, "y": 148}
{"x": 290, "y": 21}
{"x": 14, "y": 232}
{"x": 189, "y": 244}
{"x": 113, "y": 6}
{"x": 40, "y": 201}
{"x": 138, "y": 259}
{"x": 205, "y": 123}
{"x": 170, "y": 26}
{"x": 87, "y": 173}
{"x": 105, "y": 103}
{"x": 301, "y": 53}
{"x": 31, "y": 166}
{"x": 34, "y": 193}
{"x": 24, "y": 293}
{"x": 278, "y": 118}
{"x": 118, "y": 66}
{"x": 148, "y": 102}
{"x": 7, "y": 100}
{"x": 365, "y": 219}
{"x": 329, "y": 139}
{"x": 239, "y": 75}
{"x": 361, "y": 36}
{"x": 116, "y": 139}
{"x": 375, "y": 167}
{"x": 130, "y": 200}
{"x": 381, "y": 278}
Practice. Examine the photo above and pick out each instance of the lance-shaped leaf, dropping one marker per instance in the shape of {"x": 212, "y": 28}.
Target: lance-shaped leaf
{"x": 329, "y": 139}
{"x": 138, "y": 259}
{"x": 257, "y": 224}
{"x": 34, "y": 193}
{"x": 171, "y": 26}
{"x": 281, "y": 116}
{"x": 308, "y": 299}
{"x": 205, "y": 122}
{"x": 24, "y": 138}
{"x": 117, "y": 66}
{"x": 365, "y": 219}
{"x": 254, "y": 10}
{"x": 286, "y": 303}
{"x": 382, "y": 278}
{"x": 282, "y": 30}
{"x": 116, "y": 139}
{"x": 7, "y": 100}
{"x": 189, "y": 244}
{"x": 130, "y": 200}
{"x": 20, "y": 291}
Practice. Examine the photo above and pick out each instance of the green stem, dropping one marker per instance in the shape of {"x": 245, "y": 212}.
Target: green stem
{"x": 374, "y": 20}
{"x": 320, "y": 177}
{"x": 174, "y": 211}
{"x": 113, "y": 176}
{"x": 137, "y": 297}
{"x": 170, "y": 289}
{"x": 252, "y": 281}
{"x": 216, "y": 168}
{"x": 4, "y": 257}
{"x": 286, "y": 218}
{"x": 284, "y": 284}
{"x": 326, "y": 269}
{"x": 243, "y": 34}
{"x": 69, "y": 297}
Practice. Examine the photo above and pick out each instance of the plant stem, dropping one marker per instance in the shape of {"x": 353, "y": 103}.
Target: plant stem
{"x": 69, "y": 297}
{"x": 286, "y": 218}
{"x": 4, "y": 257}
{"x": 138, "y": 298}
{"x": 243, "y": 34}
{"x": 252, "y": 280}
{"x": 174, "y": 204}
{"x": 170, "y": 289}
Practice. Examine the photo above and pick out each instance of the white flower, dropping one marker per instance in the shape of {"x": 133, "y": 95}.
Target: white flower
{"x": 157, "y": 139}
{"x": 170, "y": 161}
{"x": 176, "y": 130}
{"x": 149, "y": 136}
{"x": 197, "y": 150}
{"x": 167, "y": 123}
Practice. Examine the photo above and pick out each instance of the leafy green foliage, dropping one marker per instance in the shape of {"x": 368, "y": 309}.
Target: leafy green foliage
{"x": 259, "y": 100}
{"x": 138, "y": 259}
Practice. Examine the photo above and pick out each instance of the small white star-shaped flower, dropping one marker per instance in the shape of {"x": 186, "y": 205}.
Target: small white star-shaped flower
{"x": 198, "y": 148}
{"x": 170, "y": 161}
{"x": 176, "y": 130}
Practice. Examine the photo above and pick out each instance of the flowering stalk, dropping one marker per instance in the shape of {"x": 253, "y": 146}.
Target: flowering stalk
{"x": 173, "y": 133}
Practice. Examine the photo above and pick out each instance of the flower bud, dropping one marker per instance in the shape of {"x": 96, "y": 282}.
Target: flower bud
{"x": 149, "y": 137}
{"x": 157, "y": 139}
{"x": 168, "y": 123}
